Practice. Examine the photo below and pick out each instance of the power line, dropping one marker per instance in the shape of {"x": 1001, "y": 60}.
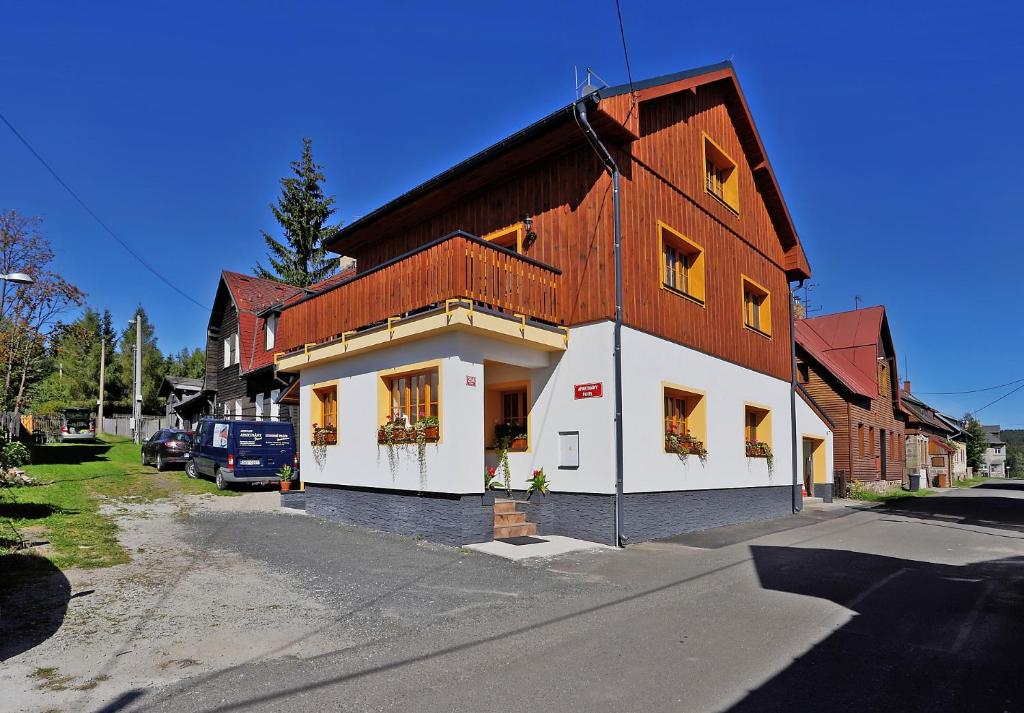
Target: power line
{"x": 1009, "y": 393}
{"x": 95, "y": 217}
{"x": 971, "y": 391}
{"x": 625, "y": 52}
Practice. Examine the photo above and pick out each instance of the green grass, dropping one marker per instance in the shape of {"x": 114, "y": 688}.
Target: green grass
{"x": 869, "y": 496}
{"x": 970, "y": 482}
{"x": 77, "y": 479}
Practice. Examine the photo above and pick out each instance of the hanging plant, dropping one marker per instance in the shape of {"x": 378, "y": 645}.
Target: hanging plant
{"x": 502, "y": 442}
{"x": 760, "y": 449}
{"x": 685, "y": 445}
{"x": 323, "y": 436}
{"x": 389, "y": 435}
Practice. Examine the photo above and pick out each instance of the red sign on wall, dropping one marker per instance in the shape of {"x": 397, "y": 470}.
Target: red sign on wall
{"x": 589, "y": 391}
{"x": 470, "y": 381}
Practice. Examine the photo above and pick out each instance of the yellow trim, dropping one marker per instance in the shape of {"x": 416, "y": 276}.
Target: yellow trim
{"x": 763, "y": 426}
{"x": 516, "y": 228}
{"x": 818, "y": 455}
{"x": 391, "y": 321}
{"x": 765, "y": 308}
{"x": 698, "y": 413}
{"x": 277, "y": 357}
{"x": 316, "y": 405}
{"x": 697, "y": 287}
{"x": 730, "y": 186}
{"x": 384, "y": 377}
{"x": 493, "y": 405}
{"x": 460, "y": 318}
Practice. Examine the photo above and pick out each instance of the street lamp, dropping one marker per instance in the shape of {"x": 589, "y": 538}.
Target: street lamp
{"x": 19, "y": 278}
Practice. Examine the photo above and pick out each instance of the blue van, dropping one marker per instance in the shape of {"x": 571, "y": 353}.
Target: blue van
{"x": 241, "y": 451}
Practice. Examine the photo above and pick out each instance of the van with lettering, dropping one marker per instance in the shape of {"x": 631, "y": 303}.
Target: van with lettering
{"x": 241, "y": 451}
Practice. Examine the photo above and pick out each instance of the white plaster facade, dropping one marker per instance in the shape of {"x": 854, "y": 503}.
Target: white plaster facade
{"x": 456, "y": 463}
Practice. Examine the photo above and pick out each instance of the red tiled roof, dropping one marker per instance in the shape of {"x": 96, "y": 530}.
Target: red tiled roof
{"x": 251, "y": 295}
{"x": 941, "y": 444}
{"x": 322, "y": 285}
{"x": 847, "y": 345}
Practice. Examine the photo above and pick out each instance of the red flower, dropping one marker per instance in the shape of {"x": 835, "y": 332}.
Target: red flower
{"x": 491, "y": 471}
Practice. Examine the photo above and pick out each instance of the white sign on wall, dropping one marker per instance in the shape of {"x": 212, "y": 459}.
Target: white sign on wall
{"x": 569, "y": 449}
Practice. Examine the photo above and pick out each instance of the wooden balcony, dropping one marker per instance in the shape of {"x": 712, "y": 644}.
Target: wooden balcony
{"x": 458, "y": 265}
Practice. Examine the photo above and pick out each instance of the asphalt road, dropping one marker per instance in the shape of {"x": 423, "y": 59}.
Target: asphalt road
{"x": 918, "y": 607}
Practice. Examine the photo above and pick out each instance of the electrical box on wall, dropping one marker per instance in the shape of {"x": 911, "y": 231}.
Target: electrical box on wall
{"x": 569, "y": 449}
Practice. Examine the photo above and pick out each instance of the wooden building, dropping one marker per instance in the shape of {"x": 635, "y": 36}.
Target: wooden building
{"x": 847, "y": 363}
{"x": 484, "y": 304}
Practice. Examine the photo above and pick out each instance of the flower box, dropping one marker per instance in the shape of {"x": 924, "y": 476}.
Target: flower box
{"x": 756, "y": 450}
{"x": 518, "y": 444}
{"x": 399, "y": 436}
{"x": 325, "y": 437}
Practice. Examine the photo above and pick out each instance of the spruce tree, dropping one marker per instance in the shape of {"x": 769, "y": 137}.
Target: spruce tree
{"x": 977, "y": 442}
{"x": 303, "y": 211}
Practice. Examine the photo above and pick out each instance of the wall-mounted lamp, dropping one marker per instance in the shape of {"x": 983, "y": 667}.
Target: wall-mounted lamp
{"x": 530, "y": 237}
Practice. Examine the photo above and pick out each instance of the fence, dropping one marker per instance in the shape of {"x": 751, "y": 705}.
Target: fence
{"x": 121, "y": 425}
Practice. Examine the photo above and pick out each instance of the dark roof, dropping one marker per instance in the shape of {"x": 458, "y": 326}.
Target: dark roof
{"x": 176, "y": 383}
{"x": 992, "y": 435}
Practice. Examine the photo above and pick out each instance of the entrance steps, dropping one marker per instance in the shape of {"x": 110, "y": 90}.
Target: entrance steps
{"x": 508, "y": 522}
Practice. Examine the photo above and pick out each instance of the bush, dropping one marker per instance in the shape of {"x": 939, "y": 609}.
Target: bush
{"x": 14, "y": 455}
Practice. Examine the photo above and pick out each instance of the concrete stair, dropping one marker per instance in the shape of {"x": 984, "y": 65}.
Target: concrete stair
{"x": 508, "y": 522}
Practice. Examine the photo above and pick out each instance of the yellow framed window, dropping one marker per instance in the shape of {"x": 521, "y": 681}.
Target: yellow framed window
{"x": 757, "y": 313}
{"x": 510, "y": 238}
{"x": 683, "y": 413}
{"x": 721, "y": 179}
{"x": 757, "y": 427}
{"x": 682, "y": 264}
{"x": 414, "y": 395}
{"x": 325, "y": 413}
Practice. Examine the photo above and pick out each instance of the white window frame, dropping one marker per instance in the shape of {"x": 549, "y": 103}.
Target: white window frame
{"x": 271, "y": 330}
{"x": 227, "y": 352}
{"x": 258, "y": 402}
{"x": 238, "y": 408}
{"x": 275, "y": 408}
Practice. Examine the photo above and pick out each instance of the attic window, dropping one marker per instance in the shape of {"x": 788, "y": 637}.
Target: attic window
{"x": 720, "y": 176}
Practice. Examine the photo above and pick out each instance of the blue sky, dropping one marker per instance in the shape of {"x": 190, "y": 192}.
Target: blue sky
{"x": 894, "y": 129}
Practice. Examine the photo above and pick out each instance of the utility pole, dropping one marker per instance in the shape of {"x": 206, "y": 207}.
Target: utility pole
{"x": 103, "y": 364}
{"x": 137, "y": 395}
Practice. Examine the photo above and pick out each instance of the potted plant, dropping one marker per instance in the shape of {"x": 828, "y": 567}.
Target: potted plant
{"x": 512, "y": 433}
{"x": 536, "y": 483}
{"x": 684, "y": 444}
{"x": 431, "y": 428}
{"x": 285, "y": 476}
{"x": 760, "y": 449}
{"x": 491, "y": 483}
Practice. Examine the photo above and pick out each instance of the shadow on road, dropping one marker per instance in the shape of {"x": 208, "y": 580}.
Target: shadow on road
{"x": 34, "y": 596}
{"x": 991, "y": 511}
{"x": 1006, "y": 485}
{"x": 924, "y": 636}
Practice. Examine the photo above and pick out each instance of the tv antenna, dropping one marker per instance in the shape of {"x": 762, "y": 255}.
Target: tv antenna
{"x": 587, "y": 86}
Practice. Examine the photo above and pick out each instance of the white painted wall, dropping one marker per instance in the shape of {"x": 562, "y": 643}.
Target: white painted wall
{"x": 456, "y": 464}
{"x": 810, "y": 424}
{"x": 647, "y": 362}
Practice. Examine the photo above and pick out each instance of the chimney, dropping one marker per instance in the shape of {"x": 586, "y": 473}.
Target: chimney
{"x": 906, "y": 386}
{"x": 345, "y": 263}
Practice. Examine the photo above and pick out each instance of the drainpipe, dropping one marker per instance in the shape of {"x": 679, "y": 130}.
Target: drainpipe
{"x": 798, "y": 504}
{"x": 613, "y": 170}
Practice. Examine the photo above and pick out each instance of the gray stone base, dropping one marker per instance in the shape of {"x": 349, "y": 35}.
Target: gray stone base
{"x": 465, "y": 519}
{"x": 823, "y": 491}
{"x": 652, "y": 515}
{"x": 450, "y": 519}
{"x": 294, "y": 499}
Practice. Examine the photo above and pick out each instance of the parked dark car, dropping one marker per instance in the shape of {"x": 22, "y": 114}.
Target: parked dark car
{"x": 241, "y": 451}
{"x": 167, "y": 446}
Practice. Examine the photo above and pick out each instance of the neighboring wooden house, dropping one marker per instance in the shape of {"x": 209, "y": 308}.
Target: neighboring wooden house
{"x": 241, "y": 378}
{"x": 929, "y": 451}
{"x": 959, "y": 443}
{"x": 847, "y": 363}
{"x": 180, "y": 392}
{"x": 509, "y": 338}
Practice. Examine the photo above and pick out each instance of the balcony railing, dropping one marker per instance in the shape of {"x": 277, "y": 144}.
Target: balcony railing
{"x": 458, "y": 265}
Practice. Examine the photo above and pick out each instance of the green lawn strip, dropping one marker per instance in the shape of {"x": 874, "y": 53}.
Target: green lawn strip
{"x": 78, "y": 477}
{"x": 873, "y": 497}
{"x": 971, "y": 482}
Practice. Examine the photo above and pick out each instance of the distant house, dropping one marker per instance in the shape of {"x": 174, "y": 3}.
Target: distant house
{"x": 846, "y": 362}
{"x": 994, "y": 460}
{"x": 929, "y": 450}
{"x": 180, "y": 392}
{"x": 242, "y": 380}
{"x": 959, "y": 443}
